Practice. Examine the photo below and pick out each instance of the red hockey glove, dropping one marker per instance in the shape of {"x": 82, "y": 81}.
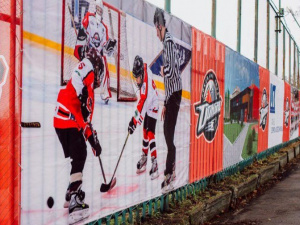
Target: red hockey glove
{"x": 132, "y": 125}
{"x": 95, "y": 144}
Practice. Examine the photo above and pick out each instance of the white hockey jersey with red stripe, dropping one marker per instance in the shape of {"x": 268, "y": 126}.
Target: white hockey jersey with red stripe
{"x": 148, "y": 102}
{"x": 97, "y": 34}
{"x": 68, "y": 110}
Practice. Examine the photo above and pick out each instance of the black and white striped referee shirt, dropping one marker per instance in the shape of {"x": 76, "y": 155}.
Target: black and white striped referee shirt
{"x": 172, "y": 78}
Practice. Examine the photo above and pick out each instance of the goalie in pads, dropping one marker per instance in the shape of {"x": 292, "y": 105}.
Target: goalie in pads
{"x": 94, "y": 34}
{"x": 72, "y": 122}
{"x": 147, "y": 110}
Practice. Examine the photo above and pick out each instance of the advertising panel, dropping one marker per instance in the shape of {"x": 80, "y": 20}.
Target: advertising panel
{"x": 264, "y": 96}
{"x": 295, "y": 113}
{"x": 286, "y": 112}
{"x": 241, "y": 119}
{"x": 275, "y": 111}
{"x": 144, "y": 147}
{"x": 207, "y": 102}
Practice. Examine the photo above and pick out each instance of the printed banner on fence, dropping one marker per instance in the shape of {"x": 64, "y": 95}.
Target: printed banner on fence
{"x": 264, "y": 96}
{"x": 275, "y": 111}
{"x": 241, "y": 118}
{"x": 286, "y": 112}
{"x": 148, "y": 156}
{"x": 295, "y": 113}
{"x": 207, "y": 102}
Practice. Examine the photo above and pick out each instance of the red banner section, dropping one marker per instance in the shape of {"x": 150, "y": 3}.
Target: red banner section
{"x": 286, "y": 112}
{"x": 264, "y": 97}
{"x": 207, "y": 102}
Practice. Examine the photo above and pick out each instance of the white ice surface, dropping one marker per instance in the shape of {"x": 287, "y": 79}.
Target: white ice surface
{"x": 45, "y": 171}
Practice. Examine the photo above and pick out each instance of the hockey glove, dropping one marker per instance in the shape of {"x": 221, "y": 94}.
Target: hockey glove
{"x": 131, "y": 126}
{"x": 95, "y": 144}
{"x": 86, "y": 104}
{"x": 86, "y": 131}
{"x": 110, "y": 46}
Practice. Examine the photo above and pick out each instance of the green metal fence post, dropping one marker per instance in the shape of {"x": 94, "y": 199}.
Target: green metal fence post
{"x": 168, "y": 6}
{"x": 283, "y": 61}
{"x": 239, "y": 26}
{"x": 290, "y": 59}
{"x": 214, "y": 18}
{"x": 294, "y": 65}
{"x": 256, "y": 31}
{"x": 268, "y": 36}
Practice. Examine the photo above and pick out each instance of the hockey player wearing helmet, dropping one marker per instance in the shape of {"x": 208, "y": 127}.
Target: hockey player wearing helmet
{"x": 94, "y": 34}
{"x": 146, "y": 112}
{"x": 173, "y": 91}
{"x": 73, "y": 126}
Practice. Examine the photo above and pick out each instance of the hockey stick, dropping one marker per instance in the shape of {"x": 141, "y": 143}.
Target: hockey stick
{"x": 112, "y": 183}
{"x": 102, "y": 170}
{"x": 100, "y": 162}
{"x": 31, "y": 124}
{"x": 72, "y": 18}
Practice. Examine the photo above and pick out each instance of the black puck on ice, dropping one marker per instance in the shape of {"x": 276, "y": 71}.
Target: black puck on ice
{"x": 50, "y": 202}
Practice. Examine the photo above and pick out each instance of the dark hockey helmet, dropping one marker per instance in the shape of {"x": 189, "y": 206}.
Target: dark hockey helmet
{"x": 159, "y": 18}
{"x": 138, "y": 69}
{"x": 95, "y": 58}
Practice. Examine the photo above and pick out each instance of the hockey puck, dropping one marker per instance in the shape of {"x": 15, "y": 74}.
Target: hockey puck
{"x": 50, "y": 202}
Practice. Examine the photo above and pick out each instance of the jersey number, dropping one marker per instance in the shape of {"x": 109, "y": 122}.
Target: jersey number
{"x": 81, "y": 65}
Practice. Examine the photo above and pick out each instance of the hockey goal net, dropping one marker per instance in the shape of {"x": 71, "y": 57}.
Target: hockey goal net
{"x": 118, "y": 65}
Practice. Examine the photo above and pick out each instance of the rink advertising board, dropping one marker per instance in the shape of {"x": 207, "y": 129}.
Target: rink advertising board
{"x": 241, "y": 108}
{"x": 275, "y": 111}
{"x": 207, "y": 102}
{"x": 264, "y": 101}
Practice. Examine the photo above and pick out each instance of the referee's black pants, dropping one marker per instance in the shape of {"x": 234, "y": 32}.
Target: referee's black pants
{"x": 172, "y": 109}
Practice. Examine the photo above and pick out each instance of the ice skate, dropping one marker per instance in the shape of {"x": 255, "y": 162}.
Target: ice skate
{"x": 78, "y": 210}
{"x": 142, "y": 163}
{"x": 167, "y": 184}
{"x": 154, "y": 169}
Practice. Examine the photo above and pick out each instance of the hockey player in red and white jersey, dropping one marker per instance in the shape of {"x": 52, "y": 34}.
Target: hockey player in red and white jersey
{"x": 147, "y": 111}
{"x": 94, "y": 34}
{"x": 72, "y": 122}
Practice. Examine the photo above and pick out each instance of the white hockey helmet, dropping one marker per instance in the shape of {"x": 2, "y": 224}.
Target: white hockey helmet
{"x": 99, "y": 9}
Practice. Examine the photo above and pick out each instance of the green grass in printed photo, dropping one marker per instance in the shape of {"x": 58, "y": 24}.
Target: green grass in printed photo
{"x": 250, "y": 145}
{"x": 233, "y": 130}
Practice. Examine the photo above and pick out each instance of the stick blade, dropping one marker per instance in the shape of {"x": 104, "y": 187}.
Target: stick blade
{"x": 107, "y": 187}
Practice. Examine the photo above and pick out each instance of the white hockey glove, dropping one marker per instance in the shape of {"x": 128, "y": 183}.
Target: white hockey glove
{"x": 110, "y": 46}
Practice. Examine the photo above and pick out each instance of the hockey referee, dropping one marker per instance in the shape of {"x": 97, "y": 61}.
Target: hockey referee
{"x": 173, "y": 90}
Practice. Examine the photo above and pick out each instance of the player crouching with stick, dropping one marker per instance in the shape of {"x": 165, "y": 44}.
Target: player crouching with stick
{"x": 72, "y": 122}
{"x": 147, "y": 111}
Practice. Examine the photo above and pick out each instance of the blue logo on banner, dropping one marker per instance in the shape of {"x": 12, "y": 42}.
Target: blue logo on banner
{"x": 184, "y": 56}
{"x": 272, "y": 98}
